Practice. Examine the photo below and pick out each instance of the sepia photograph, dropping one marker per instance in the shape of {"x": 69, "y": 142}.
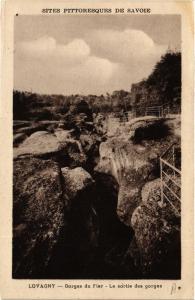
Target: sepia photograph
{"x": 97, "y": 147}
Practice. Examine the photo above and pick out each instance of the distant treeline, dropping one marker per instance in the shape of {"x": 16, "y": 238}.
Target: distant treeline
{"x": 162, "y": 87}
{"x": 34, "y": 106}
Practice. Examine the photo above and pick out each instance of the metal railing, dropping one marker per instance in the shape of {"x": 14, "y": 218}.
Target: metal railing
{"x": 170, "y": 175}
{"x": 159, "y": 111}
{"x": 154, "y": 110}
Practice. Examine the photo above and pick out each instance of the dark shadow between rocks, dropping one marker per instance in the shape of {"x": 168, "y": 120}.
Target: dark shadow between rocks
{"x": 154, "y": 131}
{"x": 114, "y": 236}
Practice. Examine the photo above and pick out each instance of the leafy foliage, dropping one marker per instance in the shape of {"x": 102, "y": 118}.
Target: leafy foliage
{"x": 33, "y": 106}
{"x": 163, "y": 86}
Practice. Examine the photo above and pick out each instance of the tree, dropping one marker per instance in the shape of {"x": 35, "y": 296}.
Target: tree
{"x": 162, "y": 87}
{"x": 166, "y": 78}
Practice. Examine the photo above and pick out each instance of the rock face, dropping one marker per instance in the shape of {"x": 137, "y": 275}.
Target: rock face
{"x": 38, "y": 215}
{"x": 141, "y": 127}
{"x": 157, "y": 235}
{"x": 152, "y": 128}
{"x": 132, "y": 166}
{"x": 40, "y": 144}
{"x": 133, "y": 159}
{"x": 76, "y": 180}
{"x": 55, "y": 226}
{"x": 58, "y": 146}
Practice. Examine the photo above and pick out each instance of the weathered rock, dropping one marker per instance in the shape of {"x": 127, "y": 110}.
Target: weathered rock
{"x": 63, "y": 135}
{"x": 150, "y": 189}
{"x": 39, "y": 144}
{"x": 76, "y": 181}
{"x": 153, "y": 128}
{"x": 174, "y": 125}
{"x": 47, "y": 145}
{"x": 128, "y": 200}
{"x": 157, "y": 234}
{"x": 131, "y": 167}
{"x": 87, "y": 141}
{"x": 75, "y": 153}
{"x": 55, "y": 228}
{"x": 93, "y": 215}
{"x": 38, "y": 215}
{"x": 118, "y": 156}
{"x": 147, "y": 128}
{"x": 90, "y": 143}
{"x": 135, "y": 162}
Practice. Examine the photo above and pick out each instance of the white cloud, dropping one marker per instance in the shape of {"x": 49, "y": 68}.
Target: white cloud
{"x": 104, "y": 60}
{"x": 100, "y": 69}
{"x": 126, "y": 46}
{"x": 38, "y": 47}
{"x": 46, "y": 48}
{"x": 47, "y": 67}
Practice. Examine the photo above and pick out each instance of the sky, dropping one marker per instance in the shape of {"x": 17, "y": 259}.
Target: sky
{"x": 96, "y": 54}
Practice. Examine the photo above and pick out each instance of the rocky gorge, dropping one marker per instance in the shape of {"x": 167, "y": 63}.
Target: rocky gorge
{"x": 86, "y": 200}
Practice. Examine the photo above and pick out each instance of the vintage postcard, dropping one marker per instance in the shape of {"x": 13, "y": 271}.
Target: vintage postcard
{"x": 96, "y": 150}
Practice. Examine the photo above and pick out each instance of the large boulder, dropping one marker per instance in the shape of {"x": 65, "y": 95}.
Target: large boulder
{"x": 152, "y": 128}
{"x": 55, "y": 226}
{"x": 58, "y": 146}
{"x": 76, "y": 181}
{"x": 39, "y": 144}
{"x": 130, "y": 188}
{"x": 117, "y": 156}
{"x": 157, "y": 235}
{"x": 38, "y": 215}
